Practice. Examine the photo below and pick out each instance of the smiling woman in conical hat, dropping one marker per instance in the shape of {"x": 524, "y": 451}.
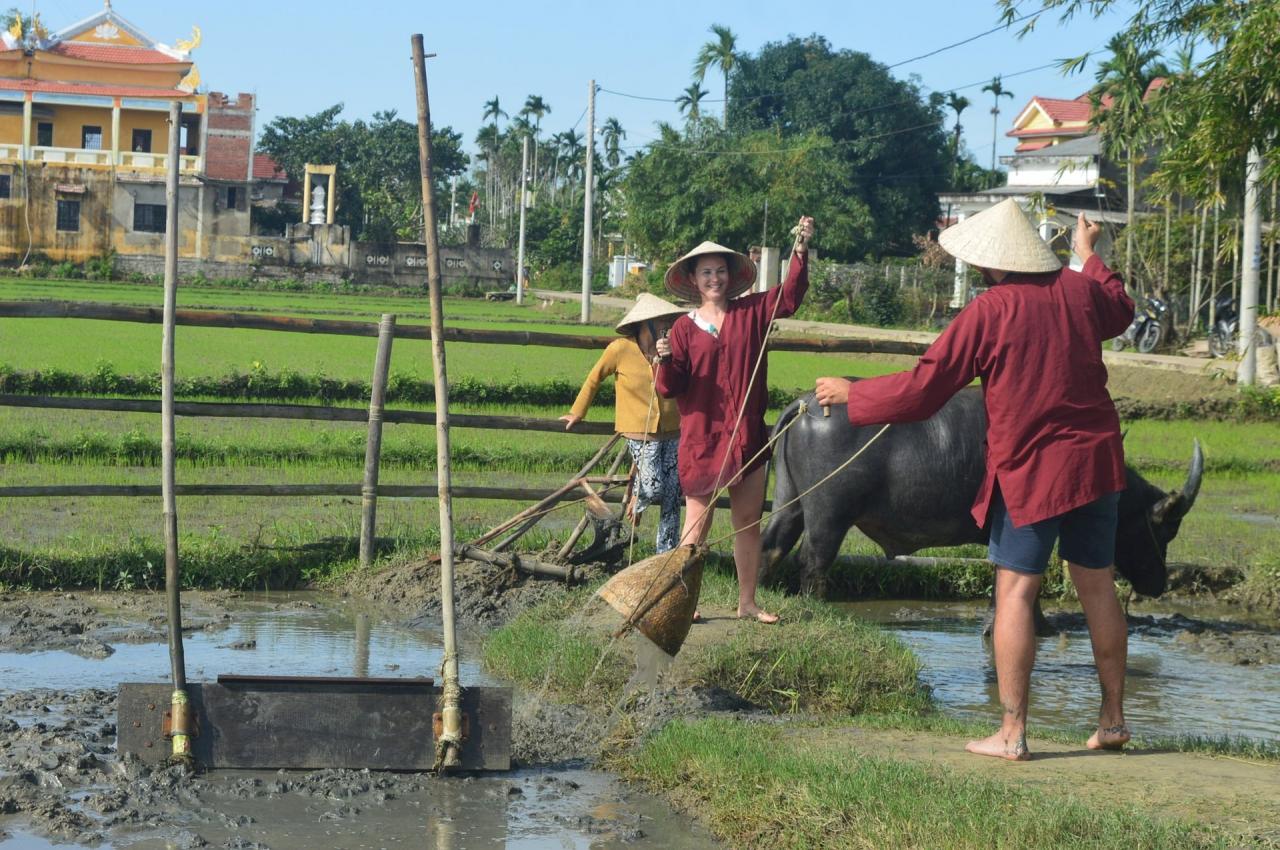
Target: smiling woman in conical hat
{"x": 710, "y": 369}
{"x": 1054, "y": 457}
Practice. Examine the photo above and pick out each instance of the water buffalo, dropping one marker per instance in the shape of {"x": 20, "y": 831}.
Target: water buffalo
{"x": 915, "y": 486}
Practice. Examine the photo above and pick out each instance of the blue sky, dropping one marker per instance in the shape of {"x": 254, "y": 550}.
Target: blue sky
{"x": 300, "y": 57}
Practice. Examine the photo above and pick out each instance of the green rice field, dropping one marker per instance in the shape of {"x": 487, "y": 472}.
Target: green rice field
{"x": 1235, "y": 525}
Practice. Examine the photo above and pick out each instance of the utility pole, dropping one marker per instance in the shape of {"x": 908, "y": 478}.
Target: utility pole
{"x": 1252, "y": 267}
{"x": 453, "y": 201}
{"x": 589, "y": 187}
{"x": 524, "y": 181}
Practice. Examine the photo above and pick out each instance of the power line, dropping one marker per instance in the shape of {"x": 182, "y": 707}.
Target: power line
{"x": 962, "y": 42}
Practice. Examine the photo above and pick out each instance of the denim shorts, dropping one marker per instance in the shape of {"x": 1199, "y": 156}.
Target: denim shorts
{"x": 1085, "y": 536}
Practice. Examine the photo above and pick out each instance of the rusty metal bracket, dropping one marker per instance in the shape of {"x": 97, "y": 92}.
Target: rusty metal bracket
{"x": 437, "y": 725}
{"x": 191, "y": 723}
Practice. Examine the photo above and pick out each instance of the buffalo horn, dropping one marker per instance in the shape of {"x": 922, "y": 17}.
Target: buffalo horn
{"x": 1176, "y": 504}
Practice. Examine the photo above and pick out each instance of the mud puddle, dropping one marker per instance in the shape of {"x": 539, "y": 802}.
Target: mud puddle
{"x": 1187, "y": 676}
{"x": 62, "y": 785}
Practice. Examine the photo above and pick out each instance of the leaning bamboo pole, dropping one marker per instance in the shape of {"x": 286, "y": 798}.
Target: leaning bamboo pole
{"x": 180, "y": 722}
{"x": 449, "y": 743}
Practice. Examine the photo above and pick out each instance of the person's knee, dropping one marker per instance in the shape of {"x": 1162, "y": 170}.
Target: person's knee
{"x": 1089, "y": 581}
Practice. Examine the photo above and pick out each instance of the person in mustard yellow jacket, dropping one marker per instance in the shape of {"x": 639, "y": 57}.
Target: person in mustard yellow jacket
{"x": 650, "y": 423}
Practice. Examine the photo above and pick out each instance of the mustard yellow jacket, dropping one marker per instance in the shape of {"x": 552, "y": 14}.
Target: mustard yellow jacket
{"x": 638, "y": 410}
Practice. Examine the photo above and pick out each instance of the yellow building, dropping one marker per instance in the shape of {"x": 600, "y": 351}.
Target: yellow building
{"x": 83, "y": 140}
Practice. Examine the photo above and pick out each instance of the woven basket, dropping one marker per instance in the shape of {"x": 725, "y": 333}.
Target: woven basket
{"x": 659, "y": 595}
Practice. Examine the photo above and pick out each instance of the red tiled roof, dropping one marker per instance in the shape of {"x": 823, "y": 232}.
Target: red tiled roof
{"x": 1031, "y": 146}
{"x": 1066, "y": 111}
{"x": 117, "y": 54}
{"x": 266, "y": 168}
{"x": 90, "y": 89}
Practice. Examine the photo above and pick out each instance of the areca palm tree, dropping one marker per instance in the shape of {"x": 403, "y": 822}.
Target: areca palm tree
{"x": 997, "y": 91}
{"x": 721, "y": 52}
{"x": 492, "y": 109}
{"x": 1119, "y": 111}
{"x": 689, "y": 99}
{"x": 612, "y": 133}
{"x": 537, "y": 107}
{"x": 958, "y": 103}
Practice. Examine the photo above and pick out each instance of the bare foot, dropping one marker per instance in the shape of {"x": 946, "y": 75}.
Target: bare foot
{"x": 1001, "y": 747}
{"x": 697, "y": 616}
{"x": 759, "y": 615}
{"x": 1109, "y": 738}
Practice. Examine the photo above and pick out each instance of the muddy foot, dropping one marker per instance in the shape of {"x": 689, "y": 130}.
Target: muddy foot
{"x": 759, "y": 615}
{"x": 998, "y": 746}
{"x": 1109, "y": 738}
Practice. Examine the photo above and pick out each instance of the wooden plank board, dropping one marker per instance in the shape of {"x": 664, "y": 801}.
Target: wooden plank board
{"x": 304, "y": 724}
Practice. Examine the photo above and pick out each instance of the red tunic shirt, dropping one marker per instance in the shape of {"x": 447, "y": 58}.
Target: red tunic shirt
{"x": 1053, "y": 436}
{"x": 708, "y": 376}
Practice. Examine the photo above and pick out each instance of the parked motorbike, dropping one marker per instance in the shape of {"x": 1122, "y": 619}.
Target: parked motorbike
{"x": 1149, "y": 328}
{"x": 1226, "y": 327}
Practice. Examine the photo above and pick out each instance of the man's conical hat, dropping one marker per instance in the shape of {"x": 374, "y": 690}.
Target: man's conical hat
{"x": 1000, "y": 238}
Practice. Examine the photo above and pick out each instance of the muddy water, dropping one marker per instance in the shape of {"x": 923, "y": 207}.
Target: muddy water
{"x": 1203, "y": 676}
{"x": 59, "y": 773}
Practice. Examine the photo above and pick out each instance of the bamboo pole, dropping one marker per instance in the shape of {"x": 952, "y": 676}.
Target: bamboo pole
{"x": 386, "y": 491}
{"x": 449, "y": 743}
{"x": 373, "y": 443}
{"x": 524, "y": 563}
{"x": 1271, "y": 253}
{"x": 301, "y": 411}
{"x": 291, "y": 324}
{"x": 180, "y": 723}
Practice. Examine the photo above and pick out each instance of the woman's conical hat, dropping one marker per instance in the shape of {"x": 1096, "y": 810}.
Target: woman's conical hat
{"x": 648, "y": 307}
{"x": 1000, "y": 238}
{"x": 742, "y": 272}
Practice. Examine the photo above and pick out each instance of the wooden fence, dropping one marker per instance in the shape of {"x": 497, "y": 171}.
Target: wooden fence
{"x": 385, "y": 330}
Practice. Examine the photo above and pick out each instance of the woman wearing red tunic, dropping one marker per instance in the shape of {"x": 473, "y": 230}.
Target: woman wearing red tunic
{"x": 707, "y": 367}
{"x": 1055, "y": 461}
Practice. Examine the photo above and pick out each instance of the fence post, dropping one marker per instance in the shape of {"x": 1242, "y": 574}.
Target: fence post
{"x": 373, "y": 444}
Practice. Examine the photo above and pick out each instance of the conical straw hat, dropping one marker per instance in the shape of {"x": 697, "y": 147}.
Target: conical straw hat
{"x": 1000, "y": 238}
{"x": 742, "y": 272}
{"x": 659, "y": 595}
{"x": 648, "y": 307}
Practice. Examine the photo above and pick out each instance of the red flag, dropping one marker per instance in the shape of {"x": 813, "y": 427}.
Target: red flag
{"x": 475, "y": 202}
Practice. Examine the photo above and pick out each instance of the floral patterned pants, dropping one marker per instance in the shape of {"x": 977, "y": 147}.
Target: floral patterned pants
{"x": 658, "y": 483}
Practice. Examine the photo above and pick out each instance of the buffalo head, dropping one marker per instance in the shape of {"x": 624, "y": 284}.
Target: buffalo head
{"x": 1149, "y": 519}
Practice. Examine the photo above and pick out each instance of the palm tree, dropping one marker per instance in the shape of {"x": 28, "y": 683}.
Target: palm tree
{"x": 1120, "y": 113}
{"x": 537, "y": 107}
{"x": 688, "y": 101}
{"x": 612, "y": 133}
{"x": 959, "y": 103}
{"x": 721, "y": 52}
{"x": 997, "y": 91}
{"x": 494, "y": 110}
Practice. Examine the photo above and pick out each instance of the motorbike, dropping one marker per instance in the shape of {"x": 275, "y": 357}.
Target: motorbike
{"x": 1226, "y": 327}
{"x": 1149, "y": 328}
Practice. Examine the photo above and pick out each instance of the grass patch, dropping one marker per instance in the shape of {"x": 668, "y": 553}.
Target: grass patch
{"x": 760, "y": 787}
{"x": 820, "y": 661}
{"x": 548, "y": 647}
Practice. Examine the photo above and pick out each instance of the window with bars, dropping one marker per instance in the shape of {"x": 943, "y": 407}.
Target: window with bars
{"x": 91, "y": 137}
{"x": 6, "y": 185}
{"x": 68, "y": 216}
{"x": 44, "y": 134}
{"x": 148, "y": 218}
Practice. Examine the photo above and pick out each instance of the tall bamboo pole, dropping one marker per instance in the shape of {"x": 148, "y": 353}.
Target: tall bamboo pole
{"x": 1251, "y": 267}
{"x": 1271, "y": 253}
{"x": 449, "y": 744}
{"x": 180, "y": 709}
{"x": 1213, "y": 258}
{"x": 373, "y": 442}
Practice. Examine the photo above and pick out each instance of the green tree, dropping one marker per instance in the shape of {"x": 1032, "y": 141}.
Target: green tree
{"x": 612, "y": 135}
{"x": 884, "y": 143}
{"x": 1119, "y": 111}
{"x": 721, "y": 52}
{"x": 379, "y": 183}
{"x": 956, "y": 103}
{"x": 537, "y": 107}
{"x": 688, "y": 102}
{"x": 998, "y": 91}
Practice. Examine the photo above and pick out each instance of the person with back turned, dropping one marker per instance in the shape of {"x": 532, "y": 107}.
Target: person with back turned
{"x": 1055, "y": 461}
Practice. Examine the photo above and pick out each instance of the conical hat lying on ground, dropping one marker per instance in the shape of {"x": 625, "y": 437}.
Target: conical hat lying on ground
{"x": 1000, "y": 238}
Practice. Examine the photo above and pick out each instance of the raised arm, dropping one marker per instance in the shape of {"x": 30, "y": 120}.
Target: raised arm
{"x": 605, "y": 366}
{"x": 1115, "y": 307}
